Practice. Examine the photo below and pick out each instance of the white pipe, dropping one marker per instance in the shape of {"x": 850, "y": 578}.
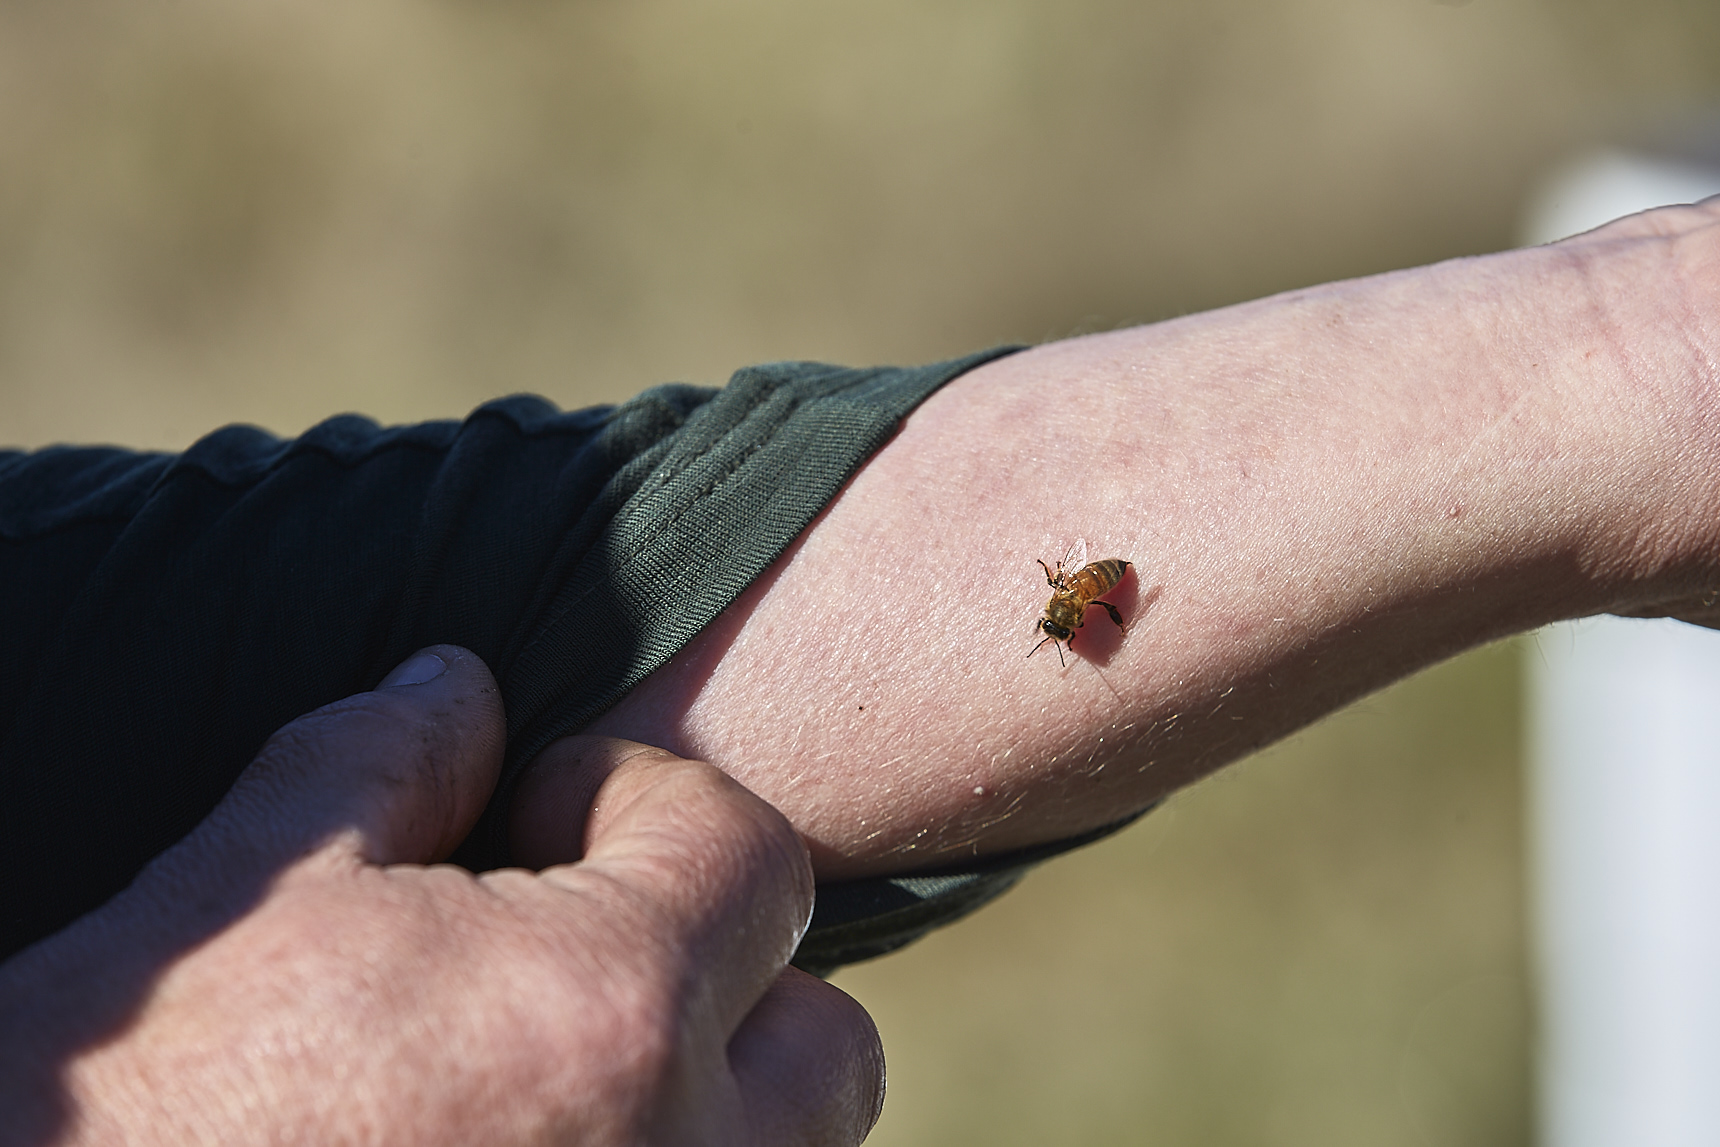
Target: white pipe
{"x": 1626, "y": 801}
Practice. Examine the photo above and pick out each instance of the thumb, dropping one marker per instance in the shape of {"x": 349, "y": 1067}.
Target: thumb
{"x": 396, "y": 775}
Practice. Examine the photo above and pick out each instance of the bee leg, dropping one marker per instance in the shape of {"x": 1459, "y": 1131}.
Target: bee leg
{"x": 1115, "y": 616}
{"x": 1047, "y": 570}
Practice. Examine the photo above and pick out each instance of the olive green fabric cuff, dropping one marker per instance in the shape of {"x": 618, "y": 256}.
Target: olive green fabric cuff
{"x": 705, "y": 514}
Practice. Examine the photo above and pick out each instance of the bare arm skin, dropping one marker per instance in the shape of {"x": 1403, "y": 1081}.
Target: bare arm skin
{"x": 1320, "y": 492}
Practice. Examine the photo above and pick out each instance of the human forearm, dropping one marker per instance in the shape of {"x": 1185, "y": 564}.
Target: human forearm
{"x": 1320, "y": 492}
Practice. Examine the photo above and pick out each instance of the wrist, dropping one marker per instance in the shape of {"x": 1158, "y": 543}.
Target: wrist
{"x": 1654, "y": 285}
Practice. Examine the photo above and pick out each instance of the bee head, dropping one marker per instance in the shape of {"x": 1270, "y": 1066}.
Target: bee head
{"x": 1059, "y": 632}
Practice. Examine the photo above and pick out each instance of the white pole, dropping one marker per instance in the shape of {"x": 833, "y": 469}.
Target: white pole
{"x": 1627, "y": 857}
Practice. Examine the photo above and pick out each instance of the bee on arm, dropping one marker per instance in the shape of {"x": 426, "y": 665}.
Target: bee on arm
{"x": 1072, "y": 591}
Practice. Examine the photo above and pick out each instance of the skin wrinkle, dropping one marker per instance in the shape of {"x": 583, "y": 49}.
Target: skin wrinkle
{"x": 1651, "y": 387}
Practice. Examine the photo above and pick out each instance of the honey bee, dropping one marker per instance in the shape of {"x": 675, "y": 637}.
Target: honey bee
{"x": 1072, "y": 591}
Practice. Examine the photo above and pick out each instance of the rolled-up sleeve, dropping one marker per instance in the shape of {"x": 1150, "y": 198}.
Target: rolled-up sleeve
{"x": 164, "y": 614}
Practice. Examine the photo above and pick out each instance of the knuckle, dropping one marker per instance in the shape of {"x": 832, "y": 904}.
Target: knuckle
{"x": 311, "y": 734}
{"x": 735, "y": 814}
{"x": 713, "y": 826}
{"x": 403, "y": 741}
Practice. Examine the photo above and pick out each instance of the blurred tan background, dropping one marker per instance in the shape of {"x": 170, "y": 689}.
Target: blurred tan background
{"x": 270, "y": 212}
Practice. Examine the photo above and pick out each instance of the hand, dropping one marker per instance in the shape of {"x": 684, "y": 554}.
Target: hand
{"x": 293, "y": 970}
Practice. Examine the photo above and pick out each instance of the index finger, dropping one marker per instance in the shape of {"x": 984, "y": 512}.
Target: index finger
{"x": 714, "y": 880}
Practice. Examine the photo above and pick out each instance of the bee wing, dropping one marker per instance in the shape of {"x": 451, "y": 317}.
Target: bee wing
{"x": 1076, "y": 558}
